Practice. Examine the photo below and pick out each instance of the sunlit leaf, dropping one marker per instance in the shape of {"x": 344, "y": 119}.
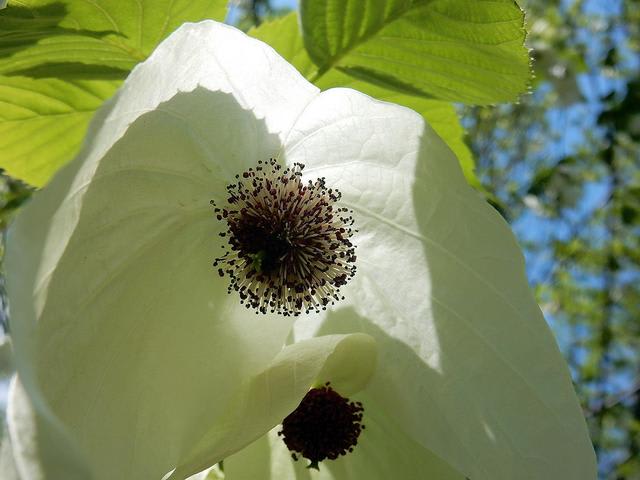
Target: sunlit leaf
{"x": 59, "y": 60}
{"x": 458, "y": 50}
{"x": 43, "y": 121}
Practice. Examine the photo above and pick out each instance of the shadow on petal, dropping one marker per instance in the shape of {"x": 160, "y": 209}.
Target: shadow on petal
{"x": 505, "y": 393}
{"x": 385, "y": 449}
{"x": 401, "y": 390}
{"x": 137, "y": 347}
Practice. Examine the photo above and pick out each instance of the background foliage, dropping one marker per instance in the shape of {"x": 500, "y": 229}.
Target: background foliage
{"x": 561, "y": 165}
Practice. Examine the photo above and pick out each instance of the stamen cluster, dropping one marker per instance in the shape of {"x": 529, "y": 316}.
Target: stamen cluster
{"x": 288, "y": 242}
{"x": 324, "y": 426}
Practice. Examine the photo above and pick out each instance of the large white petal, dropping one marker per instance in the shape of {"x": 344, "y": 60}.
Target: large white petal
{"x": 467, "y": 363}
{"x": 121, "y": 325}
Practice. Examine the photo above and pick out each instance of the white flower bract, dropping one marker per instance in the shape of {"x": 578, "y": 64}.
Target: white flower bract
{"x": 131, "y": 350}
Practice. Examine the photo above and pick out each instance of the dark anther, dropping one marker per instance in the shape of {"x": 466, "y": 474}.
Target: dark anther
{"x": 324, "y": 426}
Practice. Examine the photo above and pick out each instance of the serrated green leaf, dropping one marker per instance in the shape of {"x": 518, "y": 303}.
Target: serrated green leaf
{"x": 42, "y": 122}
{"x": 284, "y": 36}
{"x": 111, "y": 33}
{"x": 468, "y": 51}
{"x": 60, "y": 59}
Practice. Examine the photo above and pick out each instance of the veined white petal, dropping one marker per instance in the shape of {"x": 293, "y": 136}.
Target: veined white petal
{"x": 125, "y": 332}
{"x": 467, "y": 362}
{"x": 122, "y": 327}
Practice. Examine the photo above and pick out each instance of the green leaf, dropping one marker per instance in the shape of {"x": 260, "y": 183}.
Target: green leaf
{"x": 283, "y": 35}
{"x": 468, "y": 51}
{"x": 60, "y": 59}
{"x": 43, "y": 121}
{"x": 112, "y": 33}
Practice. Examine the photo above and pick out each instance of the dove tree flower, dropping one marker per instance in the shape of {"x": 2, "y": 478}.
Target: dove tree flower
{"x": 138, "y": 359}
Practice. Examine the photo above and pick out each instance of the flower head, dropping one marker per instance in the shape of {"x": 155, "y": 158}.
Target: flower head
{"x": 289, "y": 249}
{"x": 324, "y": 426}
{"x": 131, "y": 348}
